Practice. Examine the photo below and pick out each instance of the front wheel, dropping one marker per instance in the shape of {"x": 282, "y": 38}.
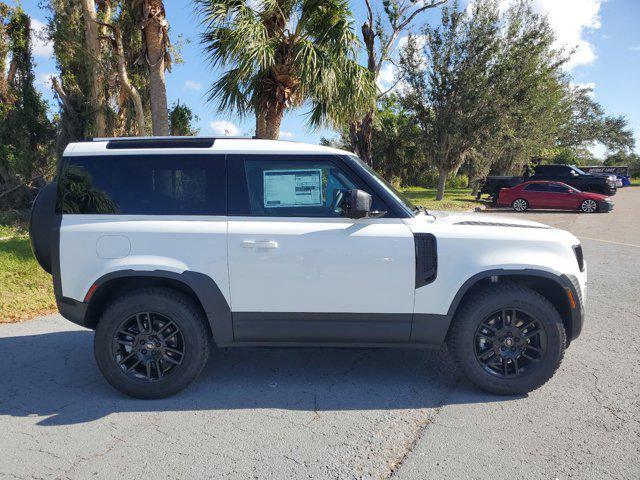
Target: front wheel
{"x": 507, "y": 339}
{"x": 151, "y": 343}
{"x": 589, "y": 206}
{"x": 520, "y": 205}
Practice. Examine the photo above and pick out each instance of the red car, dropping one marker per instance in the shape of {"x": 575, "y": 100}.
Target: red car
{"x": 552, "y": 195}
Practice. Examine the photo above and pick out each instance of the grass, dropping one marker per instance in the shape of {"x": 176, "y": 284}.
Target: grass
{"x": 454, "y": 198}
{"x": 26, "y": 290}
{"x": 635, "y": 182}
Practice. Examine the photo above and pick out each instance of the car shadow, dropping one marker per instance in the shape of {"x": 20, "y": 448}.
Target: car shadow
{"x": 54, "y": 376}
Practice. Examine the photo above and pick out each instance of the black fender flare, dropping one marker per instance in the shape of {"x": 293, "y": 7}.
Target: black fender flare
{"x": 205, "y": 289}
{"x": 567, "y": 282}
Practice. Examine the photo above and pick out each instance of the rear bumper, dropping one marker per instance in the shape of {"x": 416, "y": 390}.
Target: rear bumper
{"x": 73, "y": 310}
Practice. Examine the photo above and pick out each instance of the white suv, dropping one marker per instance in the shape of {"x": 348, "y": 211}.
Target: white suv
{"x": 166, "y": 245}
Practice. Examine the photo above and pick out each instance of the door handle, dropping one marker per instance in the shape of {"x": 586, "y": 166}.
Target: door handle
{"x": 259, "y": 244}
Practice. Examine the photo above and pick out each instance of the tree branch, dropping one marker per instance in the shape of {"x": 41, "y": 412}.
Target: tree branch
{"x": 124, "y": 77}
{"x": 398, "y": 28}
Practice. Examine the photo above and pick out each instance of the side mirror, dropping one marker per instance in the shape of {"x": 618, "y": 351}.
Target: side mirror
{"x": 357, "y": 204}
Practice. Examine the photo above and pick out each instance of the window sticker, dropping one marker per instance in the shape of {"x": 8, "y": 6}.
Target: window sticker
{"x": 293, "y": 188}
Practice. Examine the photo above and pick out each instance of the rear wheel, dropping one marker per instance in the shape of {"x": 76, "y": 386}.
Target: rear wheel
{"x": 589, "y": 206}
{"x": 151, "y": 343}
{"x": 520, "y": 205}
{"x": 507, "y": 339}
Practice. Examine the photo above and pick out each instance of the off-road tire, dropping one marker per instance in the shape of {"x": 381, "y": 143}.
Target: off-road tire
{"x": 461, "y": 337}
{"x": 171, "y": 304}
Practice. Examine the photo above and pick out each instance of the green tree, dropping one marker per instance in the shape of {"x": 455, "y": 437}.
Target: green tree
{"x": 396, "y": 150}
{"x": 588, "y": 123}
{"x": 530, "y": 90}
{"x": 181, "y": 120}
{"x": 626, "y": 159}
{"x": 26, "y": 134}
{"x": 281, "y": 54}
{"x": 379, "y": 39}
{"x": 451, "y": 85}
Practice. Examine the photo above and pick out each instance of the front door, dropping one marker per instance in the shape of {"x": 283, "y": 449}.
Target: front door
{"x": 299, "y": 271}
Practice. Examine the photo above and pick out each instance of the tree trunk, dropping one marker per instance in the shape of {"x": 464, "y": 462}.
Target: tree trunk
{"x": 93, "y": 49}
{"x": 273, "y": 119}
{"x": 13, "y": 68}
{"x": 126, "y": 83}
{"x": 261, "y": 124}
{"x": 156, "y": 41}
{"x": 361, "y": 136}
{"x": 442, "y": 182}
{"x": 475, "y": 186}
{"x": 361, "y": 131}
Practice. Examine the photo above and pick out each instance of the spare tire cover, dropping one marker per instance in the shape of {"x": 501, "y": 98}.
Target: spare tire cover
{"x": 42, "y": 224}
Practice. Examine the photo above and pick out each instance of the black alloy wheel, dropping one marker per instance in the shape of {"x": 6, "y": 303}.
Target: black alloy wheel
{"x": 148, "y": 346}
{"x": 152, "y": 342}
{"x": 510, "y": 342}
{"x": 507, "y": 338}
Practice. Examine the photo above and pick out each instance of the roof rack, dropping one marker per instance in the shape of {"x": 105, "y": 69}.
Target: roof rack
{"x": 119, "y": 143}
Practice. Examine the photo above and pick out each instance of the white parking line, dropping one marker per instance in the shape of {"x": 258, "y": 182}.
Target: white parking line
{"x": 609, "y": 241}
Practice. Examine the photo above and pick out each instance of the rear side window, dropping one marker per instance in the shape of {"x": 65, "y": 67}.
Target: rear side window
{"x": 288, "y": 186}
{"x": 144, "y": 185}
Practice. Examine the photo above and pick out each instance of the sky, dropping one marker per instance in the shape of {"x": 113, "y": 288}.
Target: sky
{"x": 604, "y": 34}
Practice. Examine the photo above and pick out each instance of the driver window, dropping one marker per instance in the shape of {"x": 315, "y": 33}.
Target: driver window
{"x": 293, "y": 188}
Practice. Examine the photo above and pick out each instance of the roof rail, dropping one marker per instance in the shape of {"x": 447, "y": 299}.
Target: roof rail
{"x": 119, "y": 143}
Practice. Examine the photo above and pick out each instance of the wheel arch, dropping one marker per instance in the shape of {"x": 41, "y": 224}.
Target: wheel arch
{"x": 554, "y": 287}
{"x": 201, "y": 288}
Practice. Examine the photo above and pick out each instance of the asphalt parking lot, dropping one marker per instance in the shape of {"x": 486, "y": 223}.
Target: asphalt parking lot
{"x": 317, "y": 413}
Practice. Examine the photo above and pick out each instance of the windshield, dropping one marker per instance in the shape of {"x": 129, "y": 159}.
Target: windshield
{"x": 578, "y": 170}
{"x": 399, "y": 196}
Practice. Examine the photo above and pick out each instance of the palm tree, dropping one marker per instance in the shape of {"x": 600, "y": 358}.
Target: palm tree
{"x": 281, "y": 54}
{"x": 156, "y": 56}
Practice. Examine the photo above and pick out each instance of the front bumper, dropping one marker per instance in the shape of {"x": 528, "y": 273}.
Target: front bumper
{"x": 572, "y": 284}
{"x": 605, "y": 207}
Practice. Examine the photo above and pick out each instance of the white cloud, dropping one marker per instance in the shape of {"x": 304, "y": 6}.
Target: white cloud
{"x": 386, "y": 76}
{"x": 286, "y": 134}
{"x": 571, "y": 20}
{"x": 635, "y": 48}
{"x": 223, "y": 127}
{"x": 44, "y": 80}
{"x": 421, "y": 41}
{"x": 192, "y": 85}
{"x": 42, "y": 46}
{"x": 590, "y": 85}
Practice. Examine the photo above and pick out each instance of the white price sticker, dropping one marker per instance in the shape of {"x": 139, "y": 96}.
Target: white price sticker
{"x": 292, "y": 188}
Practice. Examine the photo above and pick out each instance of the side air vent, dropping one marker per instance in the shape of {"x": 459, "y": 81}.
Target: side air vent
{"x": 426, "y": 258}
{"x": 577, "y": 249}
{"x": 497, "y": 224}
{"x": 172, "y": 142}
